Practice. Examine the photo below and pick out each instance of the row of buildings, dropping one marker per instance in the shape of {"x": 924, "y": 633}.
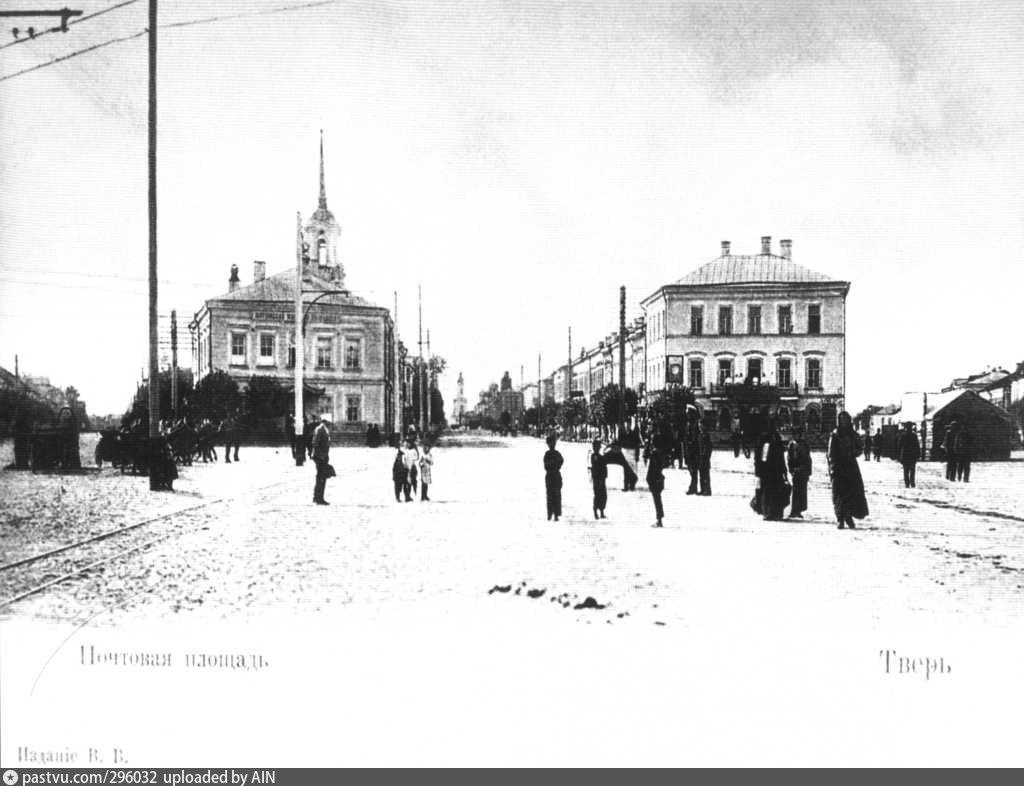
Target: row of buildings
{"x": 748, "y": 334}
{"x": 356, "y": 369}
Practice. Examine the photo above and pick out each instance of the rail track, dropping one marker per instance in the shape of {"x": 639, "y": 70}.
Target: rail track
{"x": 84, "y": 549}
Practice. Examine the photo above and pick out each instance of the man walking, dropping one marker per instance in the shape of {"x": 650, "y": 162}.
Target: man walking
{"x": 963, "y": 456}
{"x": 656, "y": 482}
{"x": 692, "y": 447}
{"x": 599, "y": 476}
{"x": 321, "y": 456}
{"x": 908, "y": 451}
{"x": 950, "y": 444}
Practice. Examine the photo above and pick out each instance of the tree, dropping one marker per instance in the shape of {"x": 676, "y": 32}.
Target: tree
{"x": 139, "y": 410}
{"x": 572, "y": 413}
{"x": 669, "y": 407}
{"x": 267, "y": 398}
{"x": 215, "y": 397}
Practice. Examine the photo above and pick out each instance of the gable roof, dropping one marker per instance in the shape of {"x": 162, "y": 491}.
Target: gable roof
{"x": 753, "y": 269}
{"x": 280, "y": 288}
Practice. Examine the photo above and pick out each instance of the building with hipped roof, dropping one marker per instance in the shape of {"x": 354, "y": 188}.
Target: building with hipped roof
{"x": 349, "y": 344}
{"x": 753, "y": 336}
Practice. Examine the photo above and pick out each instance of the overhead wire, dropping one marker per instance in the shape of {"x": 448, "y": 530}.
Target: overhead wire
{"x": 186, "y": 23}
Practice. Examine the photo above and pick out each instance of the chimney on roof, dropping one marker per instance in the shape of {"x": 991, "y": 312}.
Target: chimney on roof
{"x": 787, "y": 248}
{"x": 725, "y": 248}
{"x": 233, "y": 281}
{"x": 259, "y": 271}
{"x": 766, "y": 244}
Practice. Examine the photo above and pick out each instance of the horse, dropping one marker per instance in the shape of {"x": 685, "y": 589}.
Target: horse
{"x": 182, "y": 440}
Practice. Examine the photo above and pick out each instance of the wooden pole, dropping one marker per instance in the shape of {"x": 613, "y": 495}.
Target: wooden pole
{"x": 154, "y": 369}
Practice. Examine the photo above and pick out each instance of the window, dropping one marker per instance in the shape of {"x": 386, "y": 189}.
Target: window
{"x": 696, "y": 320}
{"x": 324, "y": 351}
{"x": 753, "y": 369}
{"x": 353, "y": 353}
{"x": 754, "y": 320}
{"x": 291, "y": 351}
{"x": 724, "y": 371}
{"x": 238, "y": 348}
{"x": 725, "y": 320}
{"x": 814, "y": 319}
{"x": 785, "y": 320}
{"x": 696, "y": 373}
{"x": 784, "y": 373}
{"x": 814, "y": 373}
{"x": 352, "y": 409}
{"x": 266, "y": 348}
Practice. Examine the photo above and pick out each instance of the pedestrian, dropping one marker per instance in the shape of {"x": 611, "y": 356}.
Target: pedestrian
{"x": 426, "y": 471}
{"x": 306, "y": 448}
{"x": 868, "y": 444}
{"x": 848, "y": 498}
{"x": 321, "y": 457}
{"x": 656, "y": 482}
{"x": 411, "y": 459}
{"x": 799, "y": 461}
{"x": 704, "y": 467}
{"x": 963, "y": 456}
{"x": 400, "y": 476}
{"x": 692, "y": 446}
{"x": 950, "y": 445}
{"x": 553, "y": 478}
{"x": 908, "y": 451}
{"x": 877, "y": 445}
{"x": 736, "y": 441}
{"x": 770, "y": 469}
{"x": 289, "y": 431}
{"x": 599, "y": 477}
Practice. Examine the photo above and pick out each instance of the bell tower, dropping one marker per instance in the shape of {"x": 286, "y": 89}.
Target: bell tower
{"x": 322, "y": 233}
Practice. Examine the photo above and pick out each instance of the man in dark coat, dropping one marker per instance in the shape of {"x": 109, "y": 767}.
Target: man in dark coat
{"x": 321, "y": 457}
{"x": 656, "y": 482}
{"x": 908, "y": 451}
{"x": 799, "y": 460}
{"x": 737, "y": 443}
{"x": 400, "y": 477}
{"x": 553, "y": 479}
{"x": 867, "y": 445}
{"x": 693, "y": 449}
{"x": 950, "y": 445}
{"x": 963, "y": 456}
{"x": 599, "y": 476}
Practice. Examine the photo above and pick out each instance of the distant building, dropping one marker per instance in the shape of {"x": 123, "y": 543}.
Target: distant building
{"x": 349, "y": 342}
{"x": 752, "y": 336}
{"x": 459, "y": 403}
{"x": 990, "y": 427}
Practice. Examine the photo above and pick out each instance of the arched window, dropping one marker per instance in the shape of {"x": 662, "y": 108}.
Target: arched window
{"x": 321, "y": 250}
{"x": 784, "y": 416}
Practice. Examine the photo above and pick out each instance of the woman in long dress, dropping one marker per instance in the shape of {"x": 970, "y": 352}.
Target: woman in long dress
{"x": 553, "y": 479}
{"x": 848, "y": 499}
{"x": 770, "y": 468}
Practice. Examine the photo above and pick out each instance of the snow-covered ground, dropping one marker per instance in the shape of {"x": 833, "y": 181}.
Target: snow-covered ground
{"x": 392, "y": 638}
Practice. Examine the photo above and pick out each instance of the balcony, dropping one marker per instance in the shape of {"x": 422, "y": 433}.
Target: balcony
{"x": 754, "y": 391}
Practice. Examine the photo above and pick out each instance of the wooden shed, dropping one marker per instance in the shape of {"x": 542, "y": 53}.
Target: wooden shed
{"x": 990, "y": 427}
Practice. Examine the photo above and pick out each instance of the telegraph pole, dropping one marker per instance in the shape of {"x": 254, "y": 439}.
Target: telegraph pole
{"x": 622, "y": 359}
{"x": 568, "y": 369}
{"x": 419, "y": 370}
{"x": 154, "y": 369}
{"x": 300, "y": 345}
{"x": 174, "y": 364}
{"x": 540, "y": 395}
{"x": 399, "y": 415}
{"x": 430, "y": 384}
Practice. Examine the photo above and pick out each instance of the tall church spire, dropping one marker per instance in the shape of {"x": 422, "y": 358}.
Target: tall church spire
{"x": 323, "y": 188}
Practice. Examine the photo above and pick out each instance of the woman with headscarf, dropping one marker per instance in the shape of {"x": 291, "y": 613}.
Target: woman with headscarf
{"x": 553, "y": 478}
{"x": 847, "y": 485}
{"x": 770, "y": 468}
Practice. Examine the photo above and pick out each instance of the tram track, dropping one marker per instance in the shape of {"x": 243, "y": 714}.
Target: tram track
{"x": 73, "y": 552}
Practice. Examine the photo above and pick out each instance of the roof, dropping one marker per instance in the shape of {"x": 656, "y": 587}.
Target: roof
{"x": 889, "y": 409}
{"x": 280, "y": 288}
{"x": 754, "y": 269}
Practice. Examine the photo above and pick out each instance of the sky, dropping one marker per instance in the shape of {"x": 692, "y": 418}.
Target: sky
{"x": 520, "y": 160}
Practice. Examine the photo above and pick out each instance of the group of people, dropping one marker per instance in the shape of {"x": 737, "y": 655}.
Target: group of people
{"x": 782, "y": 470}
{"x": 956, "y": 445}
{"x": 412, "y": 466}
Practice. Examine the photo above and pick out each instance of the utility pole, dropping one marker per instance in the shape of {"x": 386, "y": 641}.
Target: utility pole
{"x": 430, "y": 384}
{"x": 399, "y": 415}
{"x": 154, "y": 370}
{"x": 568, "y": 369}
{"x": 174, "y": 364}
{"x": 622, "y": 359}
{"x": 419, "y": 369}
{"x": 300, "y": 346}
{"x": 540, "y": 395}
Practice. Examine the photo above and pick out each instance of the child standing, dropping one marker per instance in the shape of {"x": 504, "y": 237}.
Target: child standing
{"x": 426, "y": 473}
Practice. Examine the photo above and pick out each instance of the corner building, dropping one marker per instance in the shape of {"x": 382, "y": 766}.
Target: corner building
{"x": 753, "y": 337}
